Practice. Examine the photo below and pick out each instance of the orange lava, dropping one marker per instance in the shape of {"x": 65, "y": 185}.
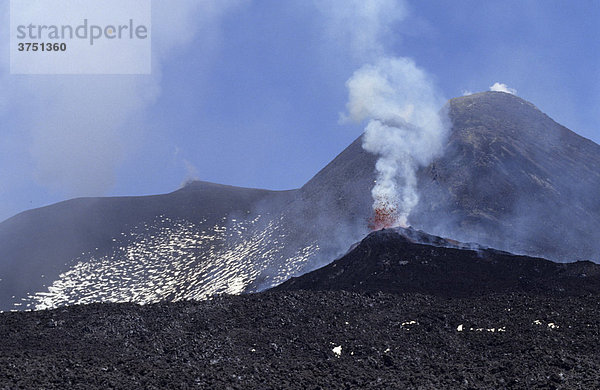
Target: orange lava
{"x": 385, "y": 216}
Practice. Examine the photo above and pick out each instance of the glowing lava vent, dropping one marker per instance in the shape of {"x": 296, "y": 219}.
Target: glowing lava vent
{"x": 385, "y": 215}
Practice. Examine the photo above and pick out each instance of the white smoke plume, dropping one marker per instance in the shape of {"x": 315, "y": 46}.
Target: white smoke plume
{"x": 405, "y": 130}
{"x": 364, "y": 24}
{"x": 397, "y": 98}
{"x": 500, "y": 87}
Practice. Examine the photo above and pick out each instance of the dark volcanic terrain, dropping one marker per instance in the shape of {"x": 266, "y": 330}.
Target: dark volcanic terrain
{"x": 288, "y": 340}
{"x": 423, "y": 313}
{"x": 407, "y": 261}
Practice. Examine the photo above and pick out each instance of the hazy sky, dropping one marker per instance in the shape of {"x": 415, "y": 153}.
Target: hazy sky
{"x": 250, "y": 93}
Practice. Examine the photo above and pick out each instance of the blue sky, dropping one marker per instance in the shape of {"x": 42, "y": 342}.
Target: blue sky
{"x": 250, "y": 93}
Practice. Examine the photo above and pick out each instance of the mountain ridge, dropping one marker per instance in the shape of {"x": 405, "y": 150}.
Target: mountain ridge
{"x": 408, "y": 261}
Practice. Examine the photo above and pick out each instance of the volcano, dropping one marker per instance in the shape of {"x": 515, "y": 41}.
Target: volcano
{"x": 510, "y": 178}
{"x": 401, "y": 261}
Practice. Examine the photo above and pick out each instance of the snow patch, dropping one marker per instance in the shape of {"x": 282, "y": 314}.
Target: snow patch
{"x": 337, "y": 350}
{"x": 175, "y": 260}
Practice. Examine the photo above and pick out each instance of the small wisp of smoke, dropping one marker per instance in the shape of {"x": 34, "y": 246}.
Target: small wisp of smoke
{"x": 405, "y": 129}
{"x": 501, "y": 87}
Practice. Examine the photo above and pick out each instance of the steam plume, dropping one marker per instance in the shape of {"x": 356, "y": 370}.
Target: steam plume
{"x": 396, "y": 97}
{"x": 405, "y": 130}
{"x": 364, "y": 23}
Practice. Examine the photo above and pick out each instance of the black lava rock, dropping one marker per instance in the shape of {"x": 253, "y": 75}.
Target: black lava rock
{"x": 308, "y": 340}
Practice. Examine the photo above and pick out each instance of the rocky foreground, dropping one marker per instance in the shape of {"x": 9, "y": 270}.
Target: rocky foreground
{"x": 308, "y": 340}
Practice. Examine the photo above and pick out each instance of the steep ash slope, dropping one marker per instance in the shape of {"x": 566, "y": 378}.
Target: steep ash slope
{"x": 514, "y": 179}
{"x": 408, "y": 261}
